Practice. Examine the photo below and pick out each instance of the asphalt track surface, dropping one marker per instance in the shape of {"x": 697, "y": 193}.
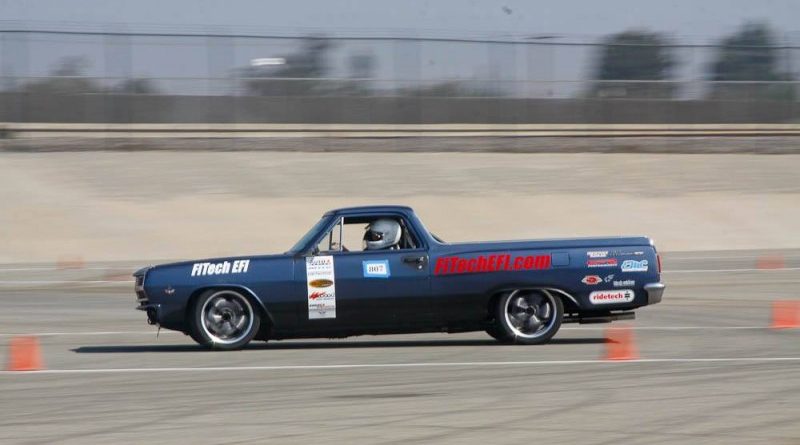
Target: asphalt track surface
{"x": 711, "y": 371}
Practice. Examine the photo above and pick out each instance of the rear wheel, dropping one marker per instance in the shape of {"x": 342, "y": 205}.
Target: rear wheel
{"x": 528, "y": 316}
{"x": 224, "y": 319}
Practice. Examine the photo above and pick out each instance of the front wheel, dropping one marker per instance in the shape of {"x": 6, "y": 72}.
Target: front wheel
{"x": 528, "y": 316}
{"x": 224, "y": 319}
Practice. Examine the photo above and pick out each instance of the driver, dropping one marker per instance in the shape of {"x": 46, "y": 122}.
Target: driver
{"x": 382, "y": 233}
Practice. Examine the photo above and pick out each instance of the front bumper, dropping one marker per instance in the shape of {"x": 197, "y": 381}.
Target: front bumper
{"x": 153, "y": 313}
{"x": 654, "y": 292}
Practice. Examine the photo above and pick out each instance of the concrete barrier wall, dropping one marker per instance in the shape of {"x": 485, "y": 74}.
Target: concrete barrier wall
{"x": 107, "y": 108}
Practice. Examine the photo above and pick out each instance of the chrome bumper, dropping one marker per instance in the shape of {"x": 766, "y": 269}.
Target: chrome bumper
{"x": 654, "y": 292}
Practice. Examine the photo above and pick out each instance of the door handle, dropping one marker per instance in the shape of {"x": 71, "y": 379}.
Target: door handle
{"x": 419, "y": 261}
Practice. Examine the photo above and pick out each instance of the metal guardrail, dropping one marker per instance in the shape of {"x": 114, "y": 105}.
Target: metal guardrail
{"x": 124, "y": 131}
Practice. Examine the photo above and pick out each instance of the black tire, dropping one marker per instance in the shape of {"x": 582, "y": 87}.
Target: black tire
{"x": 224, "y": 319}
{"x": 495, "y": 333}
{"x": 528, "y": 316}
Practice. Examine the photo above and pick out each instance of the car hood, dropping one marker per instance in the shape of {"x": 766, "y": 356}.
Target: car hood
{"x": 180, "y": 264}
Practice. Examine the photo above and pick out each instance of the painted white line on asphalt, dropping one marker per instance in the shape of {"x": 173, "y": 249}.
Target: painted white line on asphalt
{"x": 565, "y": 328}
{"x": 71, "y": 269}
{"x": 728, "y": 270}
{"x": 407, "y": 365}
{"x": 668, "y": 257}
{"x": 89, "y": 333}
{"x": 667, "y": 328}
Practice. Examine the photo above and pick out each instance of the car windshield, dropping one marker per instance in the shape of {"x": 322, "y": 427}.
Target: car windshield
{"x": 310, "y": 234}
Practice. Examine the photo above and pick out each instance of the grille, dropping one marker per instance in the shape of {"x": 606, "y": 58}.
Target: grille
{"x": 141, "y": 297}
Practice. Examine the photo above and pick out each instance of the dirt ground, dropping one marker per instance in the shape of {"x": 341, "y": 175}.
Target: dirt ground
{"x": 102, "y": 206}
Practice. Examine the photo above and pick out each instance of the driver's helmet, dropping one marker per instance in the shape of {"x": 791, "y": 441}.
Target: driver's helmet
{"x": 382, "y": 234}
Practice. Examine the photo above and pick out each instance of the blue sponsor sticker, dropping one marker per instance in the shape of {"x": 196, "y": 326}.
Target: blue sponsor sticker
{"x": 634, "y": 266}
{"x": 376, "y": 269}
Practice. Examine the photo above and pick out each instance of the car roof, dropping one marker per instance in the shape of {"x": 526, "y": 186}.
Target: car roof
{"x": 370, "y": 209}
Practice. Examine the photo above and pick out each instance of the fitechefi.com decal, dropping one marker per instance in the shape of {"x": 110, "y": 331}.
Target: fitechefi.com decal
{"x": 634, "y": 266}
{"x": 491, "y": 263}
{"x": 220, "y": 268}
{"x": 611, "y": 296}
{"x": 376, "y": 269}
{"x": 321, "y": 285}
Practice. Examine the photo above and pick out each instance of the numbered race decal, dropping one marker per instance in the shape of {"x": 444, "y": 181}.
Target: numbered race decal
{"x": 376, "y": 269}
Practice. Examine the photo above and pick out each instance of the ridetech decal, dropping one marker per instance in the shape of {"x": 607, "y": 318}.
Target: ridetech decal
{"x": 490, "y": 263}
{"x": 611, "y": 296}
{"x": 222, "y": 268}
{"x": 376, "y": 269}
{"x": 321, "y": 286}
{"x": 591, "y": 280}
{"x": 634, "y": 266}
{"x": 608, "y": 262}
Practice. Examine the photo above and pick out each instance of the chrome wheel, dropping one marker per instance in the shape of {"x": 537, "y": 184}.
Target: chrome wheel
{"x": 226, "y": 317}
{"x": 530, "y": 314}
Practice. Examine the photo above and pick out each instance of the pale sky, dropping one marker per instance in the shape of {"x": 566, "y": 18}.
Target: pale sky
{"x": 697, "y": 18}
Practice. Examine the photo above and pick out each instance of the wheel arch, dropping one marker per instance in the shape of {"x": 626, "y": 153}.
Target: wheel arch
{"x": 251, "y": 296}
{"x": 568, "y": 300}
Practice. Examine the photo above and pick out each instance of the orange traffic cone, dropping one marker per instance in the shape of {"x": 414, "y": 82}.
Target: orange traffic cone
{"x": 785, "y": 314}
{"x": 620, "y": 344}
{"x": 771, "y": 262}
{"x": 24, "y": 354}
{"x": 70, "y": 262}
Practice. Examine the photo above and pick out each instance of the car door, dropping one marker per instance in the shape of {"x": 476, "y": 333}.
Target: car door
{"x": 383, "y": 289}
{"x": 355, "y": 290}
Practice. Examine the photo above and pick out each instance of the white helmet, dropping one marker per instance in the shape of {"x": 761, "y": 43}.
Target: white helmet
{"x": 382, "y": 234}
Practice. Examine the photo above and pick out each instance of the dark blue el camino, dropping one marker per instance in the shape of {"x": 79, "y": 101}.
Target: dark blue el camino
{"x": 378, "y": 270}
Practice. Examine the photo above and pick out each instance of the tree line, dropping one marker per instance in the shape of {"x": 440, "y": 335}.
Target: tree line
{"x": 629, "y": 64}
{"x": 745, "y": 66}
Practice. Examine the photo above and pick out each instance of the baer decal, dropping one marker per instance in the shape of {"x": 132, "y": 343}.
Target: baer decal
{"x": 321, "y": 286}
{"x": 376, "y": 269}
{"x": 591, "y": 280}
{"x": 608, "y": 262}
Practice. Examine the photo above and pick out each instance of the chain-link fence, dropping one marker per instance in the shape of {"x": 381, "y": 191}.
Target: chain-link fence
{"x": 62, "y": 74}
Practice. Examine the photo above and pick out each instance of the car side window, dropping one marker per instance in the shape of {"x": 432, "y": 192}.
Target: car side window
{"x": 332, "y": 241}
{"x": 348, "y": 235}
{"x": 355, "y": 229}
